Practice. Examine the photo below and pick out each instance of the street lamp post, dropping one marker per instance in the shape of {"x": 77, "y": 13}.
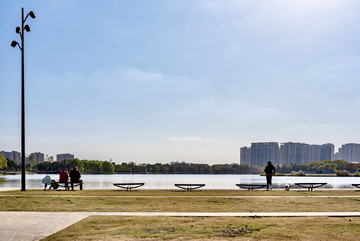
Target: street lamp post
{"x": 13, "y": 44}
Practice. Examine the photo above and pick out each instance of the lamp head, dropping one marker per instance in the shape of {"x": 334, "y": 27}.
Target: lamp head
{"x": 18, "y": 30}
{"x": 27, "y": 28}
{"x": 14, "y": 43}
{"x": 31, "y": 14}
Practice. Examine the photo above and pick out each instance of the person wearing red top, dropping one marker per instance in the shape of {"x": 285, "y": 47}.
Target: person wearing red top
{"x": 64, "y": 177}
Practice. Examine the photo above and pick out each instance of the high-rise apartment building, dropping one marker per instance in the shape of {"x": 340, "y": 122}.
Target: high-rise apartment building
{"x": 13, "y": 155}
{"x": 245, "y": 155}
{"x": 262, "y": 152}
{"x": 38, "y": 157}
{"x": 66, "y": 156}
{"x": 315, "y": 153}
{"x": 349, "y": 152}
{"x": 327, "y": 152}
{"x": 294, "y": 153}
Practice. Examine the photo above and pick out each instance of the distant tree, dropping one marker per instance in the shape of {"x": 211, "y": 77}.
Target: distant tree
{"x": 108, "y": 167}
{"x": 31, "y": 159}
{"x": 156, "y": 169}
{"x": 3, "y": 162}
{"x": 12, "y": 165}
{"x": 340, "y": 164}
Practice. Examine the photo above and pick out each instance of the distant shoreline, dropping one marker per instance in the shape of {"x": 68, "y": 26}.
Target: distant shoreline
{"x": 261, "y": 174}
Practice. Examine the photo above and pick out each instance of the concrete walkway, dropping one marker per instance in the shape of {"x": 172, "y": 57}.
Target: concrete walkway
{"x": 35, "y": 225}
{"x": 30, "y": 226}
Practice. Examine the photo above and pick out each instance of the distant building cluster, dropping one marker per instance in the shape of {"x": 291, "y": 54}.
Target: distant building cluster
{"x": 34, "y": 158}
{"x": 296, "y": 153}
{"x": 66, "y": 156}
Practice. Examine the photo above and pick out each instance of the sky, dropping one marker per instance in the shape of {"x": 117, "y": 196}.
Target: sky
{"x": 191, "y": 80}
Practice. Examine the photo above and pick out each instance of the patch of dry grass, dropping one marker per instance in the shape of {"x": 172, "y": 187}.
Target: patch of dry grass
{"x": 214, "y": 228}
{"x": 178, "y": 204}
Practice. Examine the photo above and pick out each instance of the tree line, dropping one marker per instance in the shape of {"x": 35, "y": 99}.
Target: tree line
{"x": 107, "y": 167}
{"x": 321, "y": 166}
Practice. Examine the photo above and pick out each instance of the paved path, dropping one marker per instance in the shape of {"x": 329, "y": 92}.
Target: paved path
{"x": 30, "y": 226}
{"x": 35, "y": 225}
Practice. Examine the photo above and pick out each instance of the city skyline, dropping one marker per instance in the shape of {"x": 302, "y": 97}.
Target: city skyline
{"x": 37, "y": 157}
{"x": 287, "y": 153}
{"x": 191, "y": 81}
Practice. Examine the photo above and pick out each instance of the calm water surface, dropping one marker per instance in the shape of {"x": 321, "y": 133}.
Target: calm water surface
{"x": 101, "y": 181}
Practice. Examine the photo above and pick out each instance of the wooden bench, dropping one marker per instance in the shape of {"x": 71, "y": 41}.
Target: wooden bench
{"x": 251, "y": 187}
{"x": 311, "y": 186}
{"x": 189, "y": 187}
{"x": 55, "y": 185}
{"x": 356, "y": 185}
{"x": 128, "y": 186}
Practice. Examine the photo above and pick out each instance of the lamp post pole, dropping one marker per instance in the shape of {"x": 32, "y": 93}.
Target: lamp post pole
{"x": 23, "y": 157}
{"x": 13, "y": 44}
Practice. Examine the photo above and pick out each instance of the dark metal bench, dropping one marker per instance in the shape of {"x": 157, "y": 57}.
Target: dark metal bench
{"x": 128, "y": 186}
{"x": 356, "y": 185}
{"x": 55, "y": 185}
{"x": 189, "y": 187}
{"x": 311, "y": 186}
{"x": 251, "y": 187}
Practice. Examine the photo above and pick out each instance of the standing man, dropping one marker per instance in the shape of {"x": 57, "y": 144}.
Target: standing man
{"x": 75, "y": 178}
{"x": 270, "y": 171}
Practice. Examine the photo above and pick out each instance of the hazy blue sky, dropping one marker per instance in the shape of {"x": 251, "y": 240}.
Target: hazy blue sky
{"x": 161, "y": 81}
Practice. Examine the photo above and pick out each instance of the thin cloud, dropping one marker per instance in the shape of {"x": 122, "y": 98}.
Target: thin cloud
{"x": 187, "y": 138}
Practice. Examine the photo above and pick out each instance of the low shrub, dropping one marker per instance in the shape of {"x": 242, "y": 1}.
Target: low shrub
{"x": 343, "y": 173}
{"x": 299, "y": 173}
{"x": 356, "y": 174}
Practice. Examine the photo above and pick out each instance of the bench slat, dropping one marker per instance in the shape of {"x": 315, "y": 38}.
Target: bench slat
{"x": 189, "y": 187}
{"x": 128, "y": 186}
{"x": 251, "y": 186}
{"x": 311, "y": 185}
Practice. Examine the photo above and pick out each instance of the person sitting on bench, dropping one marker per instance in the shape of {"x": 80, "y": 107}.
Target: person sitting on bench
{"x": 75, "y": 177}
{"x": 64, "y": 177}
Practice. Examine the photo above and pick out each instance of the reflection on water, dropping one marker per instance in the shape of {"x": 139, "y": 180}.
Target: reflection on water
{"x": 2, "y": 182}
{"x": 167, "y": 181}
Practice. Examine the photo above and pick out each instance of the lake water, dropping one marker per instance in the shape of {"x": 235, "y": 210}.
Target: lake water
{"x": 101, "y": 181}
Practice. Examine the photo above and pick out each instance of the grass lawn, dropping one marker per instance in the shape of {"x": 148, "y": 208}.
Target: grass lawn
{"x": 166, "y": 201}
{"x": 195, "y": 228}
{"x": 214, "y": 228}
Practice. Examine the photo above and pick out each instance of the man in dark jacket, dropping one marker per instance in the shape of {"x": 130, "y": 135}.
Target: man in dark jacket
{"x": 270, "y": 171}
{"x": 75, "y": 177}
